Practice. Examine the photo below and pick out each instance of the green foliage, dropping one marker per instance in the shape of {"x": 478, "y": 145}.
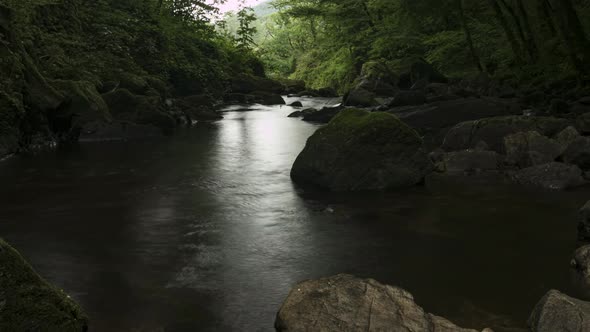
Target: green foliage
{"x": 325, "y": 42}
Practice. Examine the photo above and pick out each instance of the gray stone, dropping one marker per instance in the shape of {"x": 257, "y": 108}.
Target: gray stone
{"x": 552, "y": 176}
{"x": 345, "y": 303}
{"x": 361, "y": 97}
{"x": 558, "y": 312}
{"x": 578, "y": 153}
{"x": 581, "y": 263}
{"x": 530, "y": 148}
{"x": 492, "y": 131}
{"x": 567, "y": 136}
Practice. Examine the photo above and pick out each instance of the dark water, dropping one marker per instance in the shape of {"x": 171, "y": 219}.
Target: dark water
{"x": 205, "y": 231}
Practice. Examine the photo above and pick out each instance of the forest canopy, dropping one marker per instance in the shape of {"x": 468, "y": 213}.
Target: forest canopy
{"x": 326, "y": 42}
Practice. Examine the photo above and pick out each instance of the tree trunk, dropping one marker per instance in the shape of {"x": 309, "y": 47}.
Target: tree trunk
{"x": 514, "y": 44}
{"x": 468, "y": 38}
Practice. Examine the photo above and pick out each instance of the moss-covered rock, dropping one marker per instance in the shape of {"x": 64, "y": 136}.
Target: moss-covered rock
{"x": 84, "y": 104}
{"x": 359, "y": 150}
{"x": 29, "y": 303}
{"x": 129, "y": 107}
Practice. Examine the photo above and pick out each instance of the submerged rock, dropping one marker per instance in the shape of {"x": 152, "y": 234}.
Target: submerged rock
{"x": 359, "y": 150}
{"x": 553, "y": 176}
{"x": 346, "y": 303}
{"x": 559, "y": 312}
{"x": 29, "y": 303}
{"x": 296, "y": 104}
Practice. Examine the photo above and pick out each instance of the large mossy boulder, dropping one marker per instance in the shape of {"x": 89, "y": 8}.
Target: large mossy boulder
{"x": 346, "y": 303}
{"x": 557, "y": 312}
{"x": 29, "y": 303}
{"x": 359, "y": 150}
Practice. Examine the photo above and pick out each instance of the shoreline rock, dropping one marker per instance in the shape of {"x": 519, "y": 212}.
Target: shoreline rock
{"x": 346, "y": 303}
{"x": 29, "y": 303}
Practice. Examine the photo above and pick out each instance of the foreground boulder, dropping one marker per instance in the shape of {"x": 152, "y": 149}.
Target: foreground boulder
{"x": 29, "y": 303}
{"x": 359, "y": 150}
{"x": 559, "y": 312}
{"x": 346, "y": 303}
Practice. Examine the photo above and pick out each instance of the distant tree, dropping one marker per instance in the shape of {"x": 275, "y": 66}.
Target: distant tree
{"x": 245, "y": 33}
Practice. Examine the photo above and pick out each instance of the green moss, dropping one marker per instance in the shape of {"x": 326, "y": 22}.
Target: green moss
{"x": 362, "y": 124}
{"x": 29, "y": 303}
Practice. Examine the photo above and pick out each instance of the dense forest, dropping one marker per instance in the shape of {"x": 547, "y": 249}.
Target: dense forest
{"x": 326, "y": 42}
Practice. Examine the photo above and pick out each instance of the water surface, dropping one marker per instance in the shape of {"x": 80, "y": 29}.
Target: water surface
{"x": 205, "y": 231}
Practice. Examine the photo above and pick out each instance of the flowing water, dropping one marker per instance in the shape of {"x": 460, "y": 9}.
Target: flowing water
{"x": 205, "y": 231}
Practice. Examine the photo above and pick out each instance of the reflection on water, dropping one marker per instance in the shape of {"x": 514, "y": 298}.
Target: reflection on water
{"x": 205, "y": 231}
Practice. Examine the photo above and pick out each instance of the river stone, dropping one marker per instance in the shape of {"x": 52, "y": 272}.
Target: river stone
{"x": 567, "y": 136}
{"x": 584, "y": 223}
{"x": 359, "y": 150}
{"x": 559, "y": 312}
{"x": 322, "y": 116}
{"x": 553, "y": 176}
{"x": 346, "y": 303}
{"x": 29, "y": 303}
{"x": 583, "y": 124}
{"x": 492, "y": 131}
{"x": 361, "y": 98}
{"x": 578, "y": 153}
{"x": 531, "y": 148}
{"x": 408, "y": 98}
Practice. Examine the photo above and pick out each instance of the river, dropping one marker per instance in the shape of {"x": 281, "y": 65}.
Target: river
{"x": 205, "y": 231}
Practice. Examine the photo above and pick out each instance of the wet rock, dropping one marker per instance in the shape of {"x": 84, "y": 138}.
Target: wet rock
{"x": 567, "y": 136}
{"x": 552, "y": 176}
{"x": 293, "y": 86}
{"x": 584, "y": 223}
{"x": 361, "y": 98}
{"x": 346, "y": 303}
{"x": 296, "y": 104}
{"x": 128, "y": 107}
{"x": 305, "y": 112}
{"x": 324, "y": 115}
{"x": 581, "y": 263}
{"x": 408, "y": 97}
{"x": 559, "y": 312}
{"x": 359, "y": 150}
{"x": 531, "y": 148}
{"x": 584, "y": 100}
{"x": 492, "y": 131}
{"x": 578, "y": 153}
{"x": 29, "y": 303}
{"x": 247, "y": 84}
{"x": 266, "y": 98}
